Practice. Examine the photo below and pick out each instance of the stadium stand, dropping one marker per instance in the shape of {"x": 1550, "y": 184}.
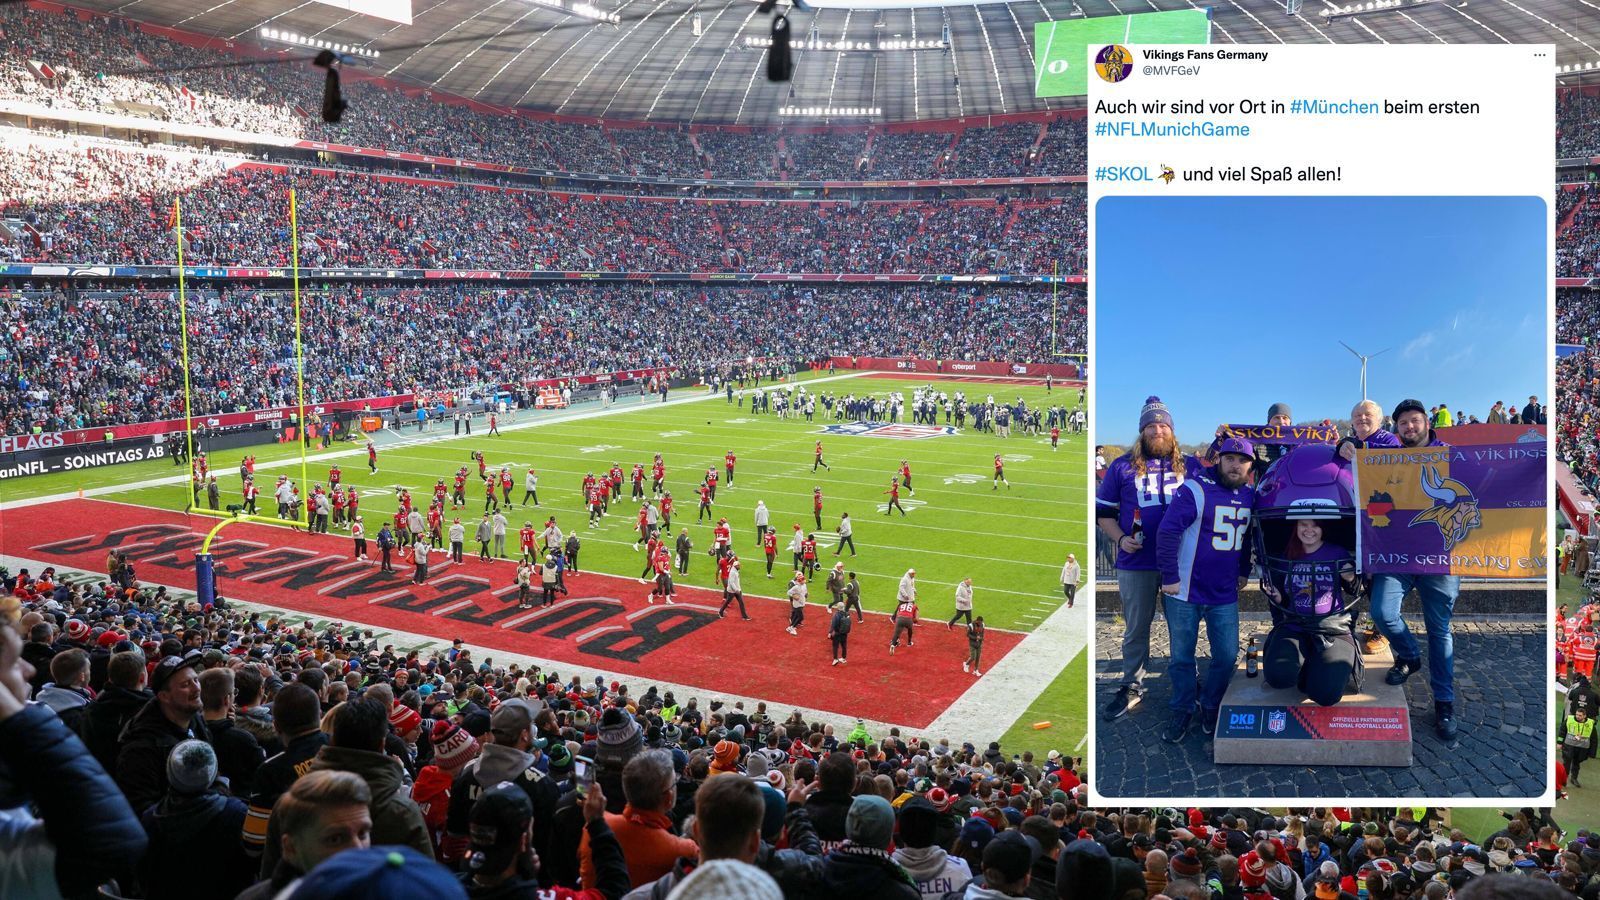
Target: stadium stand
{"x": 108, "y": 204}
{"x": 94, "y": 358}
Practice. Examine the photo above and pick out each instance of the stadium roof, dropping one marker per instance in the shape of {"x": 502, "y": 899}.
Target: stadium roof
{"x": 653, "y": 66}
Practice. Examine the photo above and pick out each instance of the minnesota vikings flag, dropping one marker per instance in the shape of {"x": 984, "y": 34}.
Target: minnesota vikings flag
{"x": 1470, "y": 510}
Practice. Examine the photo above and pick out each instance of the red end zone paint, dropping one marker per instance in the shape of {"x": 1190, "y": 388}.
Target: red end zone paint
{"x": 605, "y": 623}
{"x": 969, "y": 379}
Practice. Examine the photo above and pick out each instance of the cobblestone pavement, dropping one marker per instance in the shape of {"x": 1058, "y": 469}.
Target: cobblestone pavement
{"x": 1502, "y": 710}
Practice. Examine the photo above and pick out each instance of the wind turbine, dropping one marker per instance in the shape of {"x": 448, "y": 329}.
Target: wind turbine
{"x": 1363, "y": 363}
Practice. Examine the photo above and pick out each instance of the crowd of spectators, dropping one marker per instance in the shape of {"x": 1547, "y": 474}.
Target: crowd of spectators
{"x": 87, "y": 59}
{"x": 181, "y": 751}
{"x": 1577, "y": 124}
{"x": 107, "y": 205}
{"x": 1577, "y": 410}
{"x": 1578, "y": 245}
{"x": 93, "y": 358}
{"x": 830, "y": 155}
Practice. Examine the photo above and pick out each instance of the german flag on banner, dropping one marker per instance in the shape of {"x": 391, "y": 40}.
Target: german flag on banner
{"x": 1475, "y": 510}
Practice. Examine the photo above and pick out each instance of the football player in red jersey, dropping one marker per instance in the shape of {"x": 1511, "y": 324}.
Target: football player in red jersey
{"x": 1000, "y": 473}
{"x": 1055, "y": 437}
{"x": 666, "y": 511}
{"x": 769, "y": 546}
{"x": 894, "y": 498}
{"x": 711, "y": 481}
{"x": 705, "y": 504}
{"x": 818, "y": 460}
{"x": 658, "y": 476}
{"x": 816, "y": 504}
{"x": 637, "y": 478}
{"x": 727, "y": 465}
{"x": 459, "y": 499}
{"x": 506, "y": 485}
{"x": 905, "y": 477}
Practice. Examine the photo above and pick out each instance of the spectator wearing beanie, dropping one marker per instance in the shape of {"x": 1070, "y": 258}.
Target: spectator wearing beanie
{"x": 379, "y": 873}
{"x": 934, "y": 871}
{"x": 194, "y": 832}
{"x": 295, "y": 715}
{"x": 358, "y": 729}
{"x": 1185, "y": 866}
{"x": 724, "y": 759}
{"x": 727, "y": 879}
{"x": 861, "y": 866}
{"x": 453, "y": 748}
{"x": 644, "y": 827}
{"x": 1085, "y": 871}
{"x": 620, "y": 739}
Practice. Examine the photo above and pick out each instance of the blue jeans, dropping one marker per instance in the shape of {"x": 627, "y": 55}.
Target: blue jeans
{"x": 1438, "y": 594}
{"x": 1183, "y": 631}
{"x": 1138, "y": 589}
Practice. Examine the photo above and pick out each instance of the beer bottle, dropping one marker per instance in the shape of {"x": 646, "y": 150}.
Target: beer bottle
{"x": 1251, "y": 664}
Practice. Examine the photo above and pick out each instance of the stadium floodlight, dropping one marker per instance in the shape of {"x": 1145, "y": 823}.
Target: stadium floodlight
{"x": 294, "y": 39}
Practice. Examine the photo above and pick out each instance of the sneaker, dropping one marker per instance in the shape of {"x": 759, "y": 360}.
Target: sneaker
{"x": 1125, "y": 699}
{"x": 976, "y": 673}
{"x": 966, "y": 666}
{"x": 1208, "y": 721}
{"x": 891, "y": 649}
{"x": 1177, "y": 728}
{"x": 791, "y": 630}
{"x": 747, "y": 618}
{"x": 669, "y": 602}
{"x": 1444, "y": 724}
{"x": 836, "y": 662}
{"x": 1402, "y": 670}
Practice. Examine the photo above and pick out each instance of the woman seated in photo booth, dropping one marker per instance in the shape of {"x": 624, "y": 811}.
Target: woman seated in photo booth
{"x": 1305, "y": 524}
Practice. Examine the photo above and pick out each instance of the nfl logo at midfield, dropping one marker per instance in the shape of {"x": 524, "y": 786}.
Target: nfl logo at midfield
{"x": 1277, "y": 721}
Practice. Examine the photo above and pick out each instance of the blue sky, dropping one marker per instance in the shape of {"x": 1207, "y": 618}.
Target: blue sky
{"x": 1223, "y": 305}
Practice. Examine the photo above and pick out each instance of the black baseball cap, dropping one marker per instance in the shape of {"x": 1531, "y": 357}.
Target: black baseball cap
{"x": 1409, "y": 405}
{"x": 170, "y": 666}
{"x": 1011, "y": 853}
{"x": 499, "y": 820}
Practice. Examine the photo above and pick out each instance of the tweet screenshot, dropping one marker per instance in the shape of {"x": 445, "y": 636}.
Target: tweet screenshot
{"x": 1322, "y": 294}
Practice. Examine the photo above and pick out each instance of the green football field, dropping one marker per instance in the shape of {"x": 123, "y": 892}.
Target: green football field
{"x": 1010, "y": 541}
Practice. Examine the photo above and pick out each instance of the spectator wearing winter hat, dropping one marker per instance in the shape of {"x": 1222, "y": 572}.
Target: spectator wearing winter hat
{"x": 453, "y": 748}
{"x": 861, "y": 866}
{"x": 620, "y": 739}
{"x": 322, "y": 814}
{"x": 379, "y": 873}
{"x": 1120, "y": 497}
{"x": 934, "y": 870}
{"x": 644, "y": 826}
{"x": 358, "y": 729}
{"x": 194, "y": 831}
{"x": 724, "y": 759}
{"x": 295, "y": 715}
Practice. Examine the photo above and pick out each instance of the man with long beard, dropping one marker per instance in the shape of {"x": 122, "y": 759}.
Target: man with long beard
{"x": 1129, "y": 505}
{"x": 1204, "y": 556}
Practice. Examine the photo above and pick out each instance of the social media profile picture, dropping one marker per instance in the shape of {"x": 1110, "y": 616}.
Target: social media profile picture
{"x": 1113, "y": 63}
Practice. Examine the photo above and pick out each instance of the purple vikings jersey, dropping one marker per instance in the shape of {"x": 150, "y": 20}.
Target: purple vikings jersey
{"x": 1201, "y": 544}
{"x": 1126, "y": 493}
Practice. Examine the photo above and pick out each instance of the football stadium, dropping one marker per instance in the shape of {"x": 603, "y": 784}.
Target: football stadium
{"x": 532, "y": 448}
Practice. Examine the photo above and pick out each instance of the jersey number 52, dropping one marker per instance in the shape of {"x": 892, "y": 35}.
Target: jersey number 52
{"x": 1228, "y": 525}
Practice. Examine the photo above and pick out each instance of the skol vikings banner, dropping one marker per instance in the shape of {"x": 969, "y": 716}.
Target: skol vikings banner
{"x": 1286, "y": 435}
{"x": 1471, "y": 510}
